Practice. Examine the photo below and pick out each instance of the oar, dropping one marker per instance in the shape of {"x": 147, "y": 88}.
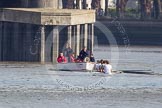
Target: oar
{"x": 146, "y": 72}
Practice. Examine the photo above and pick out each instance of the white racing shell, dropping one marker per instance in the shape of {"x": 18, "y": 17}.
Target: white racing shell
{"x": 75, "y": 66}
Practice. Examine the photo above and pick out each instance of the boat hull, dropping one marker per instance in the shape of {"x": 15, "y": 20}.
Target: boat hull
{"x": 75, "y": 66}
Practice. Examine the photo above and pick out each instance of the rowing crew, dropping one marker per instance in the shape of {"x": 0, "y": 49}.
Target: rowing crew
{"x": 103, "y": 66}
{"x": 70, "y": 56}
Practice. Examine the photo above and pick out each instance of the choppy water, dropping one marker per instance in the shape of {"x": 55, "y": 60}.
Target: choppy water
{"x": 35, "y": 76}
{"x": 35, "y": 85}
{"x": 132, "y": 58}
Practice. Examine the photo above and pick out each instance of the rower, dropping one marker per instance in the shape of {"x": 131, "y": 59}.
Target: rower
{"x": 61, "y": 58}
{"x": 83, "y": 54}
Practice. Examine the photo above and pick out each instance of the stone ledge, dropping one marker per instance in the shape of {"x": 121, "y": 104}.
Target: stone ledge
{"x": 47, "y": 16}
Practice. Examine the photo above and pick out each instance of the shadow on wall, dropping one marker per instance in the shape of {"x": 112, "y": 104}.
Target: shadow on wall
{"x": 10, "y": 3}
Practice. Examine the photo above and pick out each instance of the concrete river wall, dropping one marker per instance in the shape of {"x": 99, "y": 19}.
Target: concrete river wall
{"x": 136, "y": 32}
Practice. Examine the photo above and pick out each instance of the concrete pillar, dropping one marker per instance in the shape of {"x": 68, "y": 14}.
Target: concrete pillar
{"x": 60, "y": 4}
{"x": 73, "y": 38}
{"x": 92, "y": 37}
{"x": 40, "y": 3}
{"x": 85, "y": 34}
{"x": 103, "y": 4}
{"x": 81, "y": 36}
{"x": 55, "y": 44}
{"x": 77, "y": 45}
{"x": 89, "y": 4}
{"x": 1, "y": 34}
{"x": 21, "y": 38}
{"x": 78, "y": 4}
{"x": 28, "y": 43}
{"x": 70, "y": 35}
{"x": 16, "y": 41}
{"x": 88, "y": 37}
{"x": 5, "y": 47}
{"x": 42, "y": 58}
